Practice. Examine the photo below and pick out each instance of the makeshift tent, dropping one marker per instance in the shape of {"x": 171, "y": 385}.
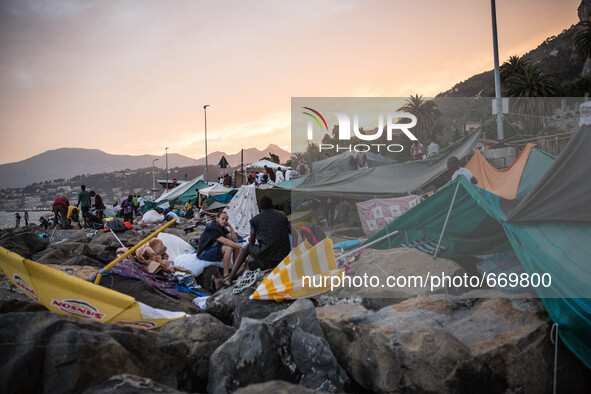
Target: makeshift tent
{"x": 263, "y": 163}
{"x": 215, "y": 190}
{"x": 222, "y": 198}
{"x": 293, "y": 182}
{"x": 215, "y": 205}
{"x": 507, "y": 183}
{"x": 184, "y": 192}
{"x": 564, "y": 192}
{"x": 74, "y": 297}
{"x": 375, "y": 213}
{"x": 286, "y": 280}
{"x": 388, "y": 181}
{"x": 346, "y": 161}
{"x": 549, "y": 229}
{"x": 241, "y": 209}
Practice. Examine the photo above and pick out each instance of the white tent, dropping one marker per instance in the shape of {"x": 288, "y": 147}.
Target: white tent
{"x": 242, "y": 208}
{"x": 215, "y": 190}
{"x": 263, "y": 163}
{"x": 179, "y": 190}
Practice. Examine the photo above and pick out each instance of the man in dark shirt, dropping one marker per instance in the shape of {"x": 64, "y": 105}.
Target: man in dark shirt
{"x": 270, "y": 173}
{"x": 270, "y": 229}
{"x": 217, "y": 243}
{"x": 99, "y": 206}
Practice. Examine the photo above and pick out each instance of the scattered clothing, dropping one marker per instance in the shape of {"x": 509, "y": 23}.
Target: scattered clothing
{"x": 130, "y": 269}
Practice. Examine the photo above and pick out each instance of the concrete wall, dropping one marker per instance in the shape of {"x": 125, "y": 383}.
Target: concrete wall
{"x": 501, "y": 158}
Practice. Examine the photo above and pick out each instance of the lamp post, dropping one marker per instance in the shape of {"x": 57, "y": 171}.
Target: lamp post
{"x": 153, "y": 180}
{"x": 166, "y": 149}
{"x": 205, "y": 113}
{"x": 498, "y": 95}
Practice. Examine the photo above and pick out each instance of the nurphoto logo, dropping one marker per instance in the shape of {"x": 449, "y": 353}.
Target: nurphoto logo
{"x": 344, "y": 133}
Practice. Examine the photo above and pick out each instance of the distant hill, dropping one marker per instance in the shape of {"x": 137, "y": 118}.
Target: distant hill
{"x": 251, "y": 155}
{"x": 555, "y": 56}
{"x": 69, "y": 162}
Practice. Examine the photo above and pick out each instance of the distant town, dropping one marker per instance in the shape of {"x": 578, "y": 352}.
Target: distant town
{"x": 112, "y": 186}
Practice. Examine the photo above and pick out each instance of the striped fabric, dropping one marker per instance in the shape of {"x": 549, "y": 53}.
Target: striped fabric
{"x": 425, "y": 245}
{"x": 285, "y": 282}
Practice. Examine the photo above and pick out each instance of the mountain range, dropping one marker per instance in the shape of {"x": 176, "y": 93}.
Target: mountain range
{"x": 69, "y": 162}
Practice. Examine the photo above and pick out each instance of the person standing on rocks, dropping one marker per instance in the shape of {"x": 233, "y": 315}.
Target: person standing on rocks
{"x": 60, "y": 207}
{"x": 26, "y": 218}
{"x": 219, "y": 242}
{"x": 270, "y": 229}
{"x": 84, "y": 202}
{"x": 17, "y": 218}
{"x": 99, "y": 206}
{"x": 127, "y": 206}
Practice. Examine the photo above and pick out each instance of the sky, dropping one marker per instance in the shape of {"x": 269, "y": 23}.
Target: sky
{"x": 132, "y": 77}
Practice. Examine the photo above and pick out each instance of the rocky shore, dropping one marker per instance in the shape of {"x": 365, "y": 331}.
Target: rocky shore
{"x": 354, "y": 342}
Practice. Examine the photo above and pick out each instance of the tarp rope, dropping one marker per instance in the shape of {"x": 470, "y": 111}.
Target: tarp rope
{"x": 554, "y": 339}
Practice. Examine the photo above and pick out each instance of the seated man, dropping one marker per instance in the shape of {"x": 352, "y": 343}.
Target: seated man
{"x": 270, "y": 229}
{"x": 453, "y": 165}
{"x": 217, "y": 243}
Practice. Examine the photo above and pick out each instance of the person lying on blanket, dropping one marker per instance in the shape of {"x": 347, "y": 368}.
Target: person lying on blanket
{"x": 218, "y": 242}
{"x": 270, "y": 229}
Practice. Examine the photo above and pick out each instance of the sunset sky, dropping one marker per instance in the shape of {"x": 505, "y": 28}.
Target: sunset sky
{"x": 131, "y": 77}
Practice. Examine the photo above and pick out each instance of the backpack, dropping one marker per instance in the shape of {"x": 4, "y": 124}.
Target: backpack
{"x": 312, "y": 233}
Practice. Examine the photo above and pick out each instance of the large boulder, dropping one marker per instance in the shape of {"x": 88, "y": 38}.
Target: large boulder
{"x": 445, "y": 343}
{"x": 287, "y": 345}
{"x": 45, "y": 352}
{"x": 231, "y": 308}
{"x": 276, "y": 387}
{"x": 24, "y": 243}
{"x": 74, "y": 253}
{"x": 131, "y": 384}
{"x": 395, "y": 263}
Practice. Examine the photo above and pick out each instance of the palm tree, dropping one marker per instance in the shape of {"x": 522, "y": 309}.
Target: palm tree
{"x": 532, "y": 82}
{"x": 534, "y": 91}
{"x": 426, "y": 112}
{"x": 582, "y": 39}
{"x": 512, "y": 67}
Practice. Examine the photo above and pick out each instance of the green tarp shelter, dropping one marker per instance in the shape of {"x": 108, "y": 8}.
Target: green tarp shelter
{"x": 184, "y": 192}
{"x": 549, "y": 228}
{"x": 346, "y": 162}
{"x": 390, "y": 180}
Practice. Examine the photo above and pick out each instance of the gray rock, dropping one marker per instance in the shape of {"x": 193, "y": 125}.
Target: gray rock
{"x": 249, "y": 356}
{"x": 276, "y": 387}
{"x": 25, "y": 243}
{"x": 445, "y": 343}
{"x": 231, "y": 308}
{"x": 131, "y": 384}
{"x": 45, "y": 352}
{"x": 287, "y": 345}
{"x": 398, "y": 262}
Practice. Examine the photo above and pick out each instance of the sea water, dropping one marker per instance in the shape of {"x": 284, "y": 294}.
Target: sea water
{"x": 7, "y": 218}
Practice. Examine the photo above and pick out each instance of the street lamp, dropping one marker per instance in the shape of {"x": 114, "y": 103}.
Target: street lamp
{"x": 205, "y": 112}
{"x": 153, "y": 181}
{"x": 166, "y": 149}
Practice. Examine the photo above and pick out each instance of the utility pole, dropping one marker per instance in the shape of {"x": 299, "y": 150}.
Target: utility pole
{"x": 153, "y": 181}
{"x": 498, "y": 94}
{"x": 205, "y": 113}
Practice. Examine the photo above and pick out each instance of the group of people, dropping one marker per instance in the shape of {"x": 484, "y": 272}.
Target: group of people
{"x": 268, "y": 244}
{"x": 270, "y": 175}
{"x": 17, "y": 218}
{"x": 131, "y": 206}
{"x": 418, "y": 152}
{"x": 65, "y": 214}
